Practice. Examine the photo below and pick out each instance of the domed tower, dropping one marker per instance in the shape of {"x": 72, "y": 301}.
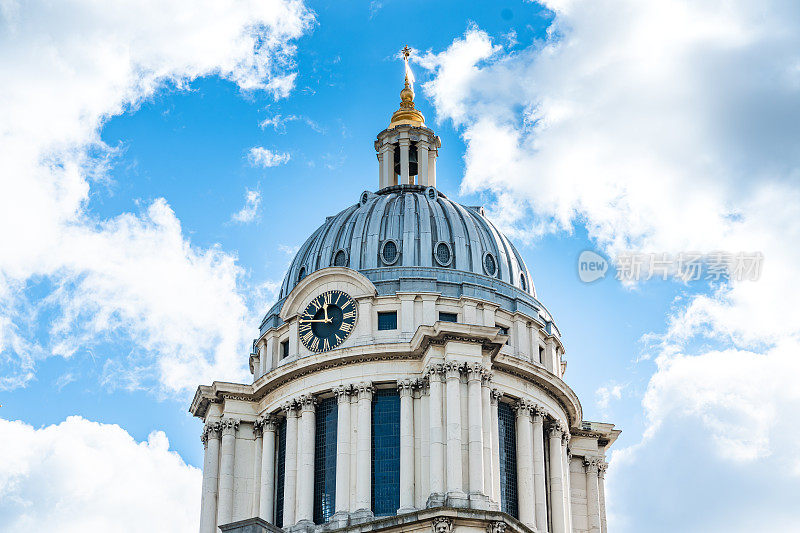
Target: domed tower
{"x": 407, "y": 379}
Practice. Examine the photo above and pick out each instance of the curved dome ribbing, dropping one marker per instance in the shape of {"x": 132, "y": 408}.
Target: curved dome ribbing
{"x": 416, "y": 219}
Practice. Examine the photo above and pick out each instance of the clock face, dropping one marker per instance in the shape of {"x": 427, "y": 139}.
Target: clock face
{"x": 327, "y": 321}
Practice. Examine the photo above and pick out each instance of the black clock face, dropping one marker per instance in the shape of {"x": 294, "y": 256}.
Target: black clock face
{"x": 327, "y": 321}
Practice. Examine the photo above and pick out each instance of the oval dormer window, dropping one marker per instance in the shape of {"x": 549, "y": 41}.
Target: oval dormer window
{"x": 389, "y": 252}
{"x": 489, "y": 264}
{"x": 442, "y": 253}
{"x": 340, "y": 258}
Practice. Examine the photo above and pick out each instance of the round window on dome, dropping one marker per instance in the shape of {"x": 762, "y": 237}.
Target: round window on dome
{"x": 389, "y": 252}
{"x": 432, "y": 193}
{"x": 301, "y": 274}
{"x": 340, "y": 258}
{"x": 442, "y": 253}
{"x": 489, "y": 264}
{"x": 364, "y": 197}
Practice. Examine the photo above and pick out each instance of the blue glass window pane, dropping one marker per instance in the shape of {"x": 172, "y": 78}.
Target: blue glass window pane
{"x": 284, "y": 349}
{"x": 387, "y": 320}
{"x": 448, "y": 317}
{"x": 325, "y": 460}
{"x": 280, "y": 473}
{"x": 385, "y": 452}
{"x": 508, "y": 459}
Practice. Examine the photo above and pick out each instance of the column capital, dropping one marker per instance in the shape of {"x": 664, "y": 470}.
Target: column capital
{"x": 523, "y": 407}
{"x": 289, "y": 406}
{"x": 557, "y": 430}
{"x": 474, "y": 371}
{"x": 404, "y": 141}
{"x": 442, "y": 524}
{"x": 434, "y": 371}
{"x": 269, "y": 423}
{"x": 496, "y": 395}
{"x": 405, "y": 387}
{"x": 486, "y": 377}
{"x": 592, "y": 464}
{"x": 258, "y": 427}
{"x": 602, "y": 466}
{"x": 307, "y": 402}
{"x": 228, "y": 426}
{"x": 452, "y": 369}
{"x": 342, "y": 393}
{"x": 210, "y": 430}
{"x": 365, "y": 390}
{"x": 539, "y": 413}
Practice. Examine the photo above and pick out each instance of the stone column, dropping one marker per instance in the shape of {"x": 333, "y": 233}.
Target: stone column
{"x": 539, "y": 485}
{"x": 406, "y": 447}
{"x": 305, "y": 469}
{"x": 601, "y": 475}
{"x": 436, "y": 436}
{"x": 432, "y": 166}
{"x": 555, "y": 434}
{"x": 475, "y": 432}
{"x": 266, "y": 507}
{"x": 258, "y": 435}
{"x": 226, "y": 462}
{"x": 381, "y": 172}
{"x": 290, "y": 465}
{"x": 486, "y": 417}
{"x": 592, "y": 494}
{"x": 404, "y": 149}
{"x": 387, "y": 170}
{"x": 208, "y": 504}
{"x": 424, "y": 489}
{"x": 455, "y": 475}
{"x": 495, "y": 398}
{"x": 364, "y": 452}
{"x": 422, "y": 163}
{"x": 526, "y": 502}
{"x": 343, "y": 431}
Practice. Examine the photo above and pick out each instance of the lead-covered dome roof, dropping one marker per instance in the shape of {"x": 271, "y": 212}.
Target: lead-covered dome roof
{"x": 408, "y": 226}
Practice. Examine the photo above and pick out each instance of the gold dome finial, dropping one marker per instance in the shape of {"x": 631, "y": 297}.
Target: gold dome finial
{"x": 407, "y": 114}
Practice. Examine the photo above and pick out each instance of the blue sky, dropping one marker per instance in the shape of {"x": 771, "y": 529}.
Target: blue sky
{"x": 609, "y": 126}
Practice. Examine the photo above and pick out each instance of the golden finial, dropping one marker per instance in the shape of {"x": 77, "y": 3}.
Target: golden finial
{"x": 407, "y": 114}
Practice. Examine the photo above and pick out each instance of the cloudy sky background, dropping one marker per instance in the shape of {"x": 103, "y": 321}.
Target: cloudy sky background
{"x": 161, "y": 161}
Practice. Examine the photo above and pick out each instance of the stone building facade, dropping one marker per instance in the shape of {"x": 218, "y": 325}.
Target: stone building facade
{"x": 407, "y": 379}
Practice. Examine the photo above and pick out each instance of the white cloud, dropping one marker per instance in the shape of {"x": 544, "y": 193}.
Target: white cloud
{"x": 81, "y": 476}
{"x": 664, "y": 127}
{"x": 248, "y": 212}
{"x": 68, "y": 67}
{"x": 264, "y": 157}
{"x": 607, "y": 393}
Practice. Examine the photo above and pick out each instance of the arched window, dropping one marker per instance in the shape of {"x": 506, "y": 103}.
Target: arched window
{"x": 385, "y": 452}
{"x": 301, "y": 274}
{"x": 340, "y": 258}
{"x": 508, "y": 459}
{"x": 325, "y": 460}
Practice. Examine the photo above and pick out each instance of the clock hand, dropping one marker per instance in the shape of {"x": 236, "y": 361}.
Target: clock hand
{"x": 325, "y": 308}
{"x": 320, "y": 320}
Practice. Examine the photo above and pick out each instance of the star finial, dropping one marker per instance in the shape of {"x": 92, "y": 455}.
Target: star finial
{"x": 406, "y": 51}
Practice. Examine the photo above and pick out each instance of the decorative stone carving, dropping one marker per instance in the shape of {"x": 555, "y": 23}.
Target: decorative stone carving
{"x": 434, "y": 372}
{"x": 602, "y": 466}
{"x": 343, "y": 393}
{"x": 442, "y": 524}
{"x": 307, "y": 402}
{"x": 486, "y": 377}
{"x": 229, "y": 426}
{"x": 592, "y": 464}
{"x": 496, "y": 395}
{"x": 405, "y": 387}
{"x": 539, "y": 413}
{"x": 496, "y": 527}
{"x": 474, "y": 371}
{"x": 365, "y": 390}
{"x": 522, "y": 406}
{"x": 210, "y": 430}
{"x": 452, "y": 369}
{"x": 258, "y": 427}
{"x": 289, "y": 406}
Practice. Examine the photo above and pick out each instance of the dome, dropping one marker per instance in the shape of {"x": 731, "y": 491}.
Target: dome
{"x": 403, "y": 227}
